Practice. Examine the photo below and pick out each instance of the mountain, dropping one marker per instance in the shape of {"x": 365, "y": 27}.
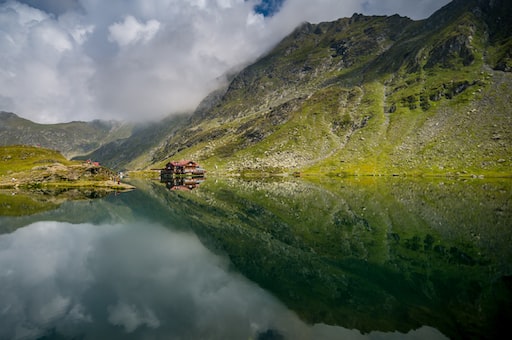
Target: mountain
{"x": 360, "y": 95}
{"x": 367, "y": 95}
{"x": 137, "y": 150}
{"x": 71, "y": 139}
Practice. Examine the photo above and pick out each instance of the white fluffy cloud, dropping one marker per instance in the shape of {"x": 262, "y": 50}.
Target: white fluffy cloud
{"x": 131, "y": 31}
{"x": 143, "y": 59}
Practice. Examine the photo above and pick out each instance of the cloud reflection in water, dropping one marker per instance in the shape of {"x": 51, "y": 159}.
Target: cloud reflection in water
{"x": 135, "y": 281}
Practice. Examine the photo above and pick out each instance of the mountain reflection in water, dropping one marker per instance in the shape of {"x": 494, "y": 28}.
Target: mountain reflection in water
{"x": 132, "y": 281}
{"x": 274, "y": 259}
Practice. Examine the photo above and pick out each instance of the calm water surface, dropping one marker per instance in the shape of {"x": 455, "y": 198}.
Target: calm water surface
{"x": 276, "y": 259}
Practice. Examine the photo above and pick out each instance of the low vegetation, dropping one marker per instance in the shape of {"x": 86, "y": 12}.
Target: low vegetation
{"x": 34, "y": 167}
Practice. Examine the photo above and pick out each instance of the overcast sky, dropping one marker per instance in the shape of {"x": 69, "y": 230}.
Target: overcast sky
{"x": 64, "y": 60}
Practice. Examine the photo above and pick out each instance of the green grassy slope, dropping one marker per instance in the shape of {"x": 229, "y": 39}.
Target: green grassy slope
{"x": 22, "y": 158}
{"x": 34, "y": 167}
{"x": 367, "y": 95}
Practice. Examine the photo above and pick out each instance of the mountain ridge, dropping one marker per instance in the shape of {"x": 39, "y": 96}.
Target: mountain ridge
{"x": 71, "y": 139}
{"x": 357, "y": 81}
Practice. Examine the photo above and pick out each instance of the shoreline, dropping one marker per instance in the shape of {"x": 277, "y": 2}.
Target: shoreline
{"x": 110, "y": 185}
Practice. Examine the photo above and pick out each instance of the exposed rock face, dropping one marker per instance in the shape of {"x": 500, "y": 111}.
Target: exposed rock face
{"x": 458, "y": 47}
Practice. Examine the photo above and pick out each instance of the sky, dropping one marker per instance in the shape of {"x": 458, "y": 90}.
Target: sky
{"x": 139, "y": 60}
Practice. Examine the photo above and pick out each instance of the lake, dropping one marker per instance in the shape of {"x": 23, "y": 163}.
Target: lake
{"x": 280, "y": 258}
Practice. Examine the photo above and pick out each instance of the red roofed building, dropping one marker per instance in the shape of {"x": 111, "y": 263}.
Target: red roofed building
{"x": 184, "y": 167}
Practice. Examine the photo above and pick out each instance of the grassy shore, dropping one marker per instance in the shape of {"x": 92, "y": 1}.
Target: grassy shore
{"x": 34, "y": 167}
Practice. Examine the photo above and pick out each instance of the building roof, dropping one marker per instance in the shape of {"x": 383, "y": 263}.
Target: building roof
{"x": 184, "y": 163}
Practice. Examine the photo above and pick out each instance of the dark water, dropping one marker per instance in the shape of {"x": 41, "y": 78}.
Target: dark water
{"x": 276, "y": 259}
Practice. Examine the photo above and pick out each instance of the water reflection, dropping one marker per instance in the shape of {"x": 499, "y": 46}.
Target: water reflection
{"x": 127, "y": 280}
{"x": 183, "y": 183}
{"x": 20, "y": 202}
{"x": 386, "y": 258}
{"x": 134, "y": 281}
{"x": 370, "y": 254}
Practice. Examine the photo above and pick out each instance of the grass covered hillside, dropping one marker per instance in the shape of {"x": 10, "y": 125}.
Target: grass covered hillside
{"x": 33, "y": 167}
{"x": 367, "y": 95}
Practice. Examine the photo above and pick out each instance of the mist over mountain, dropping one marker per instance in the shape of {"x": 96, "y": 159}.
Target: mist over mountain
{"x": 71, "y": 139}
{"x": 141, "y": 60}
{"x": 359, "y": 95}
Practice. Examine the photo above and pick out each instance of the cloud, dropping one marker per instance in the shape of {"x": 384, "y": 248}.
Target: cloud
{"x": 144, "y": 59}
{"x": 43, "y": 65}
{"x": 54, "y": 6}
{"x": 418, "y": 9}
{"x": 131, "y": 317}
{"x": 131, "y": 31}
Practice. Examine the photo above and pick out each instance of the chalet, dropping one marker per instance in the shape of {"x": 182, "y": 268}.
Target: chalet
{"x": 93, "y": 163}
{"x": 185, "y": 167}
